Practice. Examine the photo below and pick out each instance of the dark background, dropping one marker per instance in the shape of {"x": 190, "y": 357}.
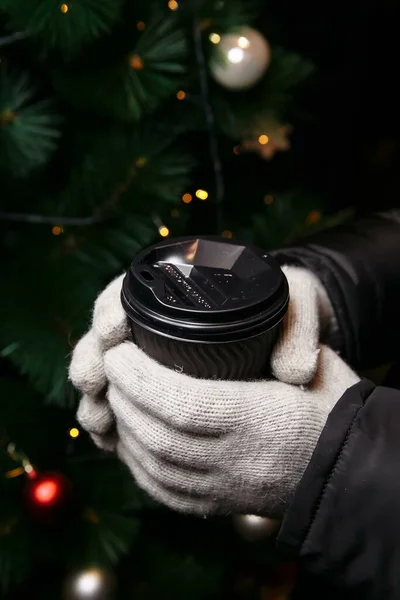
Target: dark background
{"x": 345, "y": 135}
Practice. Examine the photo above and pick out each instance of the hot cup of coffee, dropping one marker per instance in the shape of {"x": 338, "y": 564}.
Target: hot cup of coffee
{"x": 207, "y": 306}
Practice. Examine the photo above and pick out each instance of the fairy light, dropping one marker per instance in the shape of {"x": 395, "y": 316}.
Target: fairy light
{"x": 141, "y": 162}
{"x": 187, "y": 198}
{"x": 57, "y": 230}
{"x": 202, "y": 194}
{"x": 236, "y": 150}
{"x": 141, "y": 25}
{"x": 175, "y": 213}
{"x": 74, "y": 432}
{"x": 227, "y": 234}
{"x": 181, "y": 95}
{"x": 91, "y": 516}
{"x": 235, "y": 55}
{"x": 314, "y": 217}
{"x": 90, "y": 584}
{"x": 214, "y": 38}
{"x": 268, "y": 199}
{"x": 263, "y": 139}
{"x": 136, "y": 62}
{"x": 163, "y": 231}
{"x": 173, "y": 5}
{"x": 64, "y": 8}
{"x": 25, "y": 464}
{"x": 15, "y": 472}
{"x": 7, "y": 116}
{"x": 46, "y": 492}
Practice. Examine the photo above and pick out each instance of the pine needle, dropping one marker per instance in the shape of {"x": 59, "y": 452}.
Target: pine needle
{"x": 28, "y": 128}
{"x": 64, "y": 26}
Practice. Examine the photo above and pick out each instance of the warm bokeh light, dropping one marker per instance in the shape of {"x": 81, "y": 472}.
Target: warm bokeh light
{"x": 227, "y": 234}
{"x": 64, "y": 8}
{"x": 268, "y": 199}
{"x": 236, "y": 150}
{"x": 314, "y": 217}
{"x": 243, "y": 42}
{"x": 202, "y": 194}
{"x": 175, "y": 213}
{"x": 136, "y": 62}
{"x": 173, "y": 5}
{"x": 46, "y": 491}
{"x": 90, "y": 584}
{"x": 163, "y": 231}
{"x": 74, "y": 432}
{"x": 187, "y": 198}
{"x": 141, "y": 161}
{"x": 141, "y": 26}
{"x": 215, "y": 38}
{"x": 181, "y": 95}
{"x": 263, "y": 139}
{"x": 57, "y": 230}
{"x": 235, "y": 55}
{"x": 14, "y": 473}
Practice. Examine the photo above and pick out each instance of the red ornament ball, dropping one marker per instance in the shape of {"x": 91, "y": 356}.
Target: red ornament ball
{"x": 47, "y": 494}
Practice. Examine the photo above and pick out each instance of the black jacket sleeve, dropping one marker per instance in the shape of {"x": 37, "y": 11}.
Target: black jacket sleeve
{"x": 359, "y": 265}
{"x": 344, "y": 521}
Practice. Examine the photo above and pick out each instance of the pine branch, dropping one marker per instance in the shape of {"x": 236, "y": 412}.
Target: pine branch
{"x": 125, "y": 171}
{"x": 28, "y": 130}
{"x": 16, "y": 549}
{"x": 287, "y": 218}
{"x": 37, "y": 335}
{"x": 65, "y": 26}
{"x": 105, "y": 528}
{"x": 138, "y": 83}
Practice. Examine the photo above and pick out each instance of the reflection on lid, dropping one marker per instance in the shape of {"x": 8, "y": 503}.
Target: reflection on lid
{"x": 191, "y": 250}
{"x": 207, "y": 253}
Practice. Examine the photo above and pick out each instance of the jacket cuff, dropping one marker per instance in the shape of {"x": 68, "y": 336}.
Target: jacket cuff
{"x": 309, "y": 495}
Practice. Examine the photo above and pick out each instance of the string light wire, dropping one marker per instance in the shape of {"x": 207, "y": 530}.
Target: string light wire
{"x": 210, "y": 122}
{"x": 13, "y": 37}
{"x": 49, "y": 220}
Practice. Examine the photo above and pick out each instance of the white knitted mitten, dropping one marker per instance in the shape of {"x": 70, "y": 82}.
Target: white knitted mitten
{"x": 310, "y": 314}
{"x": 200, "y": 446}
{"x": 204, "y": 446}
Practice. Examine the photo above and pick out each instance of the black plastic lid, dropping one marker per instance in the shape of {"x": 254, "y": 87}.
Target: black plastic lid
{"x": 206, "y": 289}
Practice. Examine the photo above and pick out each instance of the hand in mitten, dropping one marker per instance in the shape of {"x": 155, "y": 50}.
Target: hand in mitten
{"x": 110, "y": 430}
{"x": 310, "y": 313}
{"x": 205, "y": 447}
{"x": 86, "y": 371}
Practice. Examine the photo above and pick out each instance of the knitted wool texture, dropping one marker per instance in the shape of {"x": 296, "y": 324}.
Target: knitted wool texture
{"x": 203, "y": 446}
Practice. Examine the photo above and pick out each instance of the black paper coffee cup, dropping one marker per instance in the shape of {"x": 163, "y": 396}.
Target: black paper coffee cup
{"x": 207, "y": 306}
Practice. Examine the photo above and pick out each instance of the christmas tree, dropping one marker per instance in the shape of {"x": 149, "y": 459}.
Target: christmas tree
{"x": 120, "y": 123}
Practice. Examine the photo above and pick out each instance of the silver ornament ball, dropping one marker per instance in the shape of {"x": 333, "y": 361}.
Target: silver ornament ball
{"x": 254, "y": 528}
{"x": 240, "y": 59}
{"x": 90, "y": 584}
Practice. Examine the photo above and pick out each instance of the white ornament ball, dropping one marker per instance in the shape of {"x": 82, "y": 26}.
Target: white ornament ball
{"x": 240, "y": 59}
{"x": 254, "y": 528}
{"x": 90, "y": 584}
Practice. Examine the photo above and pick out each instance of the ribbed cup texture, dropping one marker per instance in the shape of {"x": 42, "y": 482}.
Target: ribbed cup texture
{"x": 247, "y": 359}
